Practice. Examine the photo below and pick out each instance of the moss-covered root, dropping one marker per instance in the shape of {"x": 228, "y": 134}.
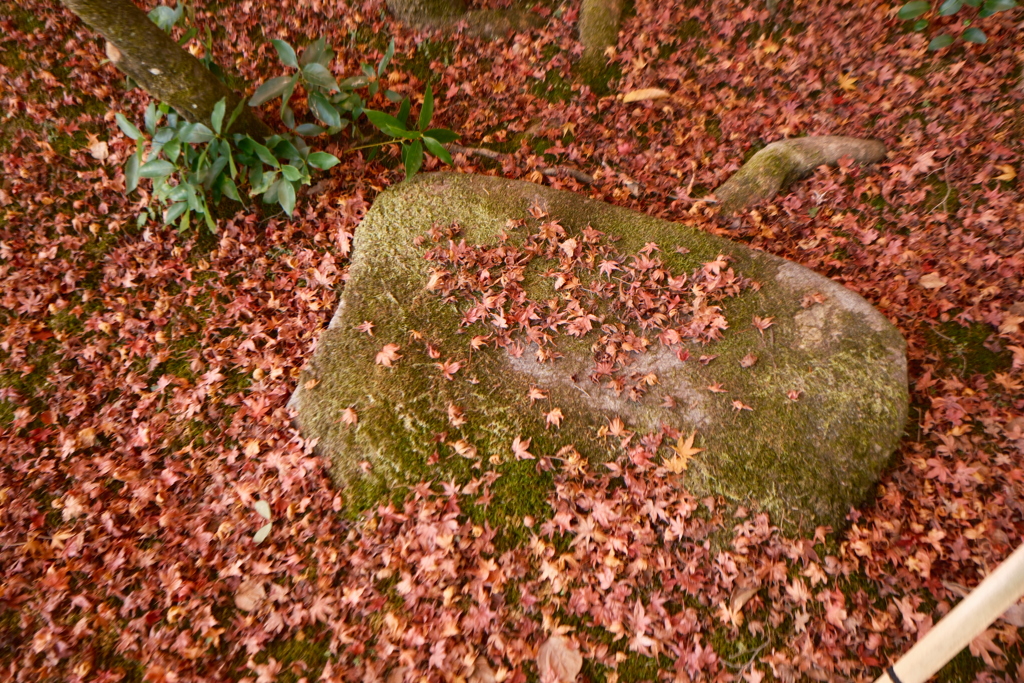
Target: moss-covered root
{"x": 599, "y": 30}
{"x": 447, "y": 14}
{"x": 780, "y": 163}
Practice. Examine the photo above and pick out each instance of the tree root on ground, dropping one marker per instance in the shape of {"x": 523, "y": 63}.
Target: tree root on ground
{"x": 782, "y": 162}
{"x": 557, "y": 171}
{"x": 446, "y": 15}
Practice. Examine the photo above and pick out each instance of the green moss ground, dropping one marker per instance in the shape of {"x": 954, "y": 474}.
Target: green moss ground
{"x": 962, "y": 349}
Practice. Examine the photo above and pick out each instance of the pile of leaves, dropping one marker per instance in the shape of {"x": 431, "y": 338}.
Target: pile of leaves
{"x": 645, "y": 294}
{"x": 144, "y": 373}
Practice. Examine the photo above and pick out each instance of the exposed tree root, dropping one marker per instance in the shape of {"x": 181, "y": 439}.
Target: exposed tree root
{"x": 557, "y": 171}
{"x": 446, "y": 15}
{"x": 780, "y": 163}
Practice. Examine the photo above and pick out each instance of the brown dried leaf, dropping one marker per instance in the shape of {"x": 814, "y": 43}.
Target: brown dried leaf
{"x": 558, "y": 661}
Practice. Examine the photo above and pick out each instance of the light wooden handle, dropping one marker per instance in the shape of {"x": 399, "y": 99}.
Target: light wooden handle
{"x": 993, "y": 596}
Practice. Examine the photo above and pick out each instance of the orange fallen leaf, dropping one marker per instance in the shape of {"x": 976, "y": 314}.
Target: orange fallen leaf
{"x": 645, "y": 94}
{"x": 388, "y": 355}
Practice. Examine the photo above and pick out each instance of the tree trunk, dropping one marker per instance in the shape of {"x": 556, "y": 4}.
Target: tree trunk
{"x": 599, "y": 30}
{"x": 163, "y": 68}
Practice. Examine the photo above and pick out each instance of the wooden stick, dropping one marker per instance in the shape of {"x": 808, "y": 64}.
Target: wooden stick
{"x": 986, "y": 603}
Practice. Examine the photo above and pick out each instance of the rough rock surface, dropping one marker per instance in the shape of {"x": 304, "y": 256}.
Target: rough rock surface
{"x": 827, "y": 394}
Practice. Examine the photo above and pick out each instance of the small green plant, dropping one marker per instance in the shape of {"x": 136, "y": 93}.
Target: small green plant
{"x": 193, "y": 166}
{"x": 336, "y": 104}
{"x": 917, "y": 9}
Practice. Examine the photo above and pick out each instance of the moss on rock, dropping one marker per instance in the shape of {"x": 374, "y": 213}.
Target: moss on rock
{"x": 805, "y": 461}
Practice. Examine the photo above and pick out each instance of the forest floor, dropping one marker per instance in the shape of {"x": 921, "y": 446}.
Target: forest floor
{"x": 144, "y": 373}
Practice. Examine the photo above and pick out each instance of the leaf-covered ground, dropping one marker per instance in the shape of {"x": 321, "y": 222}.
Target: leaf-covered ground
{"x": 144, "y": 374}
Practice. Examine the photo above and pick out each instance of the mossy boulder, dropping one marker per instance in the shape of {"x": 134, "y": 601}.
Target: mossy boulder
{"x": 797, "y": 402}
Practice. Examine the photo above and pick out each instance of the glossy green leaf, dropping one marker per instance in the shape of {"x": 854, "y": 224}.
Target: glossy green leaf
{"x": 427, "y": 110}
{"x": 217, "y": 118}
{"x": 290, "y": 172}
{"x": 323, "y": 160}
{"x": 913, "y": 9}
{"x": 435, "y": 148}
{"x": 442, "y": 135}
{"x": 318, "y": 75}
{"x": 269, "y": 90}
{"x": 974, "y": 35}
{"x": 413, "y": 158}
{"x": 187, "y": 36}
{"x": 173, "y": 212}
{"x": 939, "y": 42}
{"x": 309, "y": 129}
{"x": 286, "y": 197}
{"x": 386, "y": 59}
{"x": 229, "y": 189}
{"x": 127, "y": 127}
{"x": 234, "y": 115}
{"x": 156, "y": 169}
{"x": 131, "y": 173}
{"x": 151, "y": 118}
{"x": 324, "y": 110}
{"x": 165, "y": 17}
{"x": 403, "y": 112}
{"x": 990, "y": 7}
{"x": 386, "y": 123}
{"x": 317, "y": 52}
{"x": 197, "y": 134}
{"x": 247, "y": 144}
{"x": 285, "y": 53}
{"x": 950, "y": 7}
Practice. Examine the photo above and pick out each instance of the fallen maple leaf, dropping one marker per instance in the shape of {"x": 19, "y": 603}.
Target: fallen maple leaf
{"x": 762, "y": 324}
{"x": 349, "y": 416}
{"x": 456, "y": 416}
{"x": 645, "y": 94}
{"x": 448, "y": 369}
{"x": 932, "y": 281}
{"x": 748, "y": 360}
{"x": 1008, "y": 173}
{"x": 684, "y": 451}
{"x": 536, "y": 394}
{"x": 847, "y": 82}
{"x": 717, "y": 388}
{"x": 388, "y": 355}
{"x": 554, "y": 417}
{"x": 520, "y": 446}
{"x": 740, "y": 405}
{"x": 365, "y": 326}
{"x": 558, "y": 661}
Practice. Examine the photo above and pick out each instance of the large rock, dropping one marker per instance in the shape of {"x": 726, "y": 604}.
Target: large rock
{"x": 803, "y": 432}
